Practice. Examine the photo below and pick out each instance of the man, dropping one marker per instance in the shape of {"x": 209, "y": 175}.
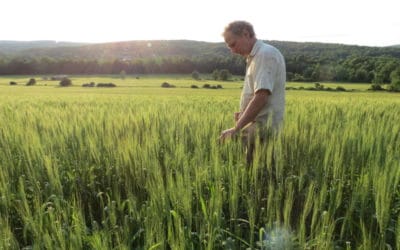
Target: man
{"x": 262, "y": 101}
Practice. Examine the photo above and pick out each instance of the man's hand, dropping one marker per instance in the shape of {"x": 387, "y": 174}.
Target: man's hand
{"x": 229, "y": 133}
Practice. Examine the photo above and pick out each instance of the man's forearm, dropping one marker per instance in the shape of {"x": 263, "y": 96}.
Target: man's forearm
{"x": 253, "y": 108}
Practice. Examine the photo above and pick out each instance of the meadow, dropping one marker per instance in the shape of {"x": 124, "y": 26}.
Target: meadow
{"x": 140, "y": 167}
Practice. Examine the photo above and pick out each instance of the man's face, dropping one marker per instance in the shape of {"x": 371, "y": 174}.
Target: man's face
{"x": 238, "y": 44}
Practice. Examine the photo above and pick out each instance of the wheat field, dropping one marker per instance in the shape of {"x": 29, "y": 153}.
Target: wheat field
{"x": 140, "y": 167}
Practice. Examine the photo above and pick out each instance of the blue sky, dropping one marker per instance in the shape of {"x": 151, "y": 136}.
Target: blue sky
{"x": 360, "y": 22}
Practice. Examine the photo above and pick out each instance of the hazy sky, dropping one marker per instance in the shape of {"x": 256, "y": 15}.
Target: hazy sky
{"x": 361, "y": 22}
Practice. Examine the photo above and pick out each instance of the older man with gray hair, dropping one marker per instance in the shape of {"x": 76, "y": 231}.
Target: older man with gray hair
{"x": 262, "y": 103}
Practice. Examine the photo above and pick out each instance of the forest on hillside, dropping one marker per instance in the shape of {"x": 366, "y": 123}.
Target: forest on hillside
{"x": 304, "y": 61}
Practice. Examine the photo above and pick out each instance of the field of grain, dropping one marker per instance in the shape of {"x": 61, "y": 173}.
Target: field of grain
{"x": 140, "y": 167}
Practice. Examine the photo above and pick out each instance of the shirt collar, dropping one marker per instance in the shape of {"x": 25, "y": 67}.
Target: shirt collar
{"x": 254, "y": 50}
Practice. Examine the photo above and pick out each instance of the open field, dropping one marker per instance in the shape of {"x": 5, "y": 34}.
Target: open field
{"x": 156, "y": 80}
{"x": 139, "y": 167}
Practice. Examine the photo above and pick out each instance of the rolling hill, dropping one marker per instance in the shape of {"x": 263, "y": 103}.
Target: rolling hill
{"x": 129, "y": 50}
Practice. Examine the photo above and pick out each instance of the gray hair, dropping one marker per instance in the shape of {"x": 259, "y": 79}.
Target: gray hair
{"x": 237, "y": 28}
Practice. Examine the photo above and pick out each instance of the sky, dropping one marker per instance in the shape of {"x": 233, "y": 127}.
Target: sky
{"x": 356, "y": 22}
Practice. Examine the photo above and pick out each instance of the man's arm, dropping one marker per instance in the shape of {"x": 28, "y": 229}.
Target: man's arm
{"x": 253, "y": 108}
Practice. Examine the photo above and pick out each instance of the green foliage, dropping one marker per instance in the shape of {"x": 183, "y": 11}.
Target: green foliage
{"x": 395, "y": 80}
{"x": 106, "y": 85}
{"x": 309, "y": 62}
{"x": 167, "y": 85}
{"x": 319, "y": 86}
{"x": 221, "y": 75}
{"x": 31, "y": 82}
{"x": 196, "y": 75}
{"x": 376, "y": 87}
{"x": 65, "y": 82}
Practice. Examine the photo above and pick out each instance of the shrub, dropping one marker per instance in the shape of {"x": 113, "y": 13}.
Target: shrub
{"x": 13, "y": 83}
{"x": 196, "y": 75}
{"x": 194, "y": 86}
{"x": 208, "y": 86}
{"x": 31, "y": 82}
{"x": 393, "y": 88}
{"x": 376, "y": 87}
{"x": 319, "y": 86}
{"x": 92, "y": 84}
{"x": 167, "y": 85}
{"x": 106, "y": 85}
{"x": 223, "y": 74}
{"x": 340, "y": 88}
{"x": 65, "y": 82}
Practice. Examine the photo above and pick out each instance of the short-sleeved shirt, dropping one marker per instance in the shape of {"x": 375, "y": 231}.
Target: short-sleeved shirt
{"x": 265, "y": 69}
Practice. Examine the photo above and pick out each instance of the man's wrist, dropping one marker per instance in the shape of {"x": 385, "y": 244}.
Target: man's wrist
{"x": 236, "y": 128}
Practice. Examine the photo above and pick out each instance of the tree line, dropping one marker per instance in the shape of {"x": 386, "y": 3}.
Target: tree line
{"x": 312, "y": 62}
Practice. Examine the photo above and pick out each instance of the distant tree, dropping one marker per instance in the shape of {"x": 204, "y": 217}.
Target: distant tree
{"x": 13, "y": 83}
{"x": 31, "y": 82}
{"x": 378, "y": 78}
{"x": 196, "y": 75}
{"x": 395, "y": 80}
{"x": 341, "y": 74}
{"x": 215, "y": 74}
{"x": 361, "y": 75}
{"x": 224, "y": 75}
{"x": 65, "y": 82}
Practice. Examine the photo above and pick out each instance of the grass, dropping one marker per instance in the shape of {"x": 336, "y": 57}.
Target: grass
{"x": 139, "y": 167}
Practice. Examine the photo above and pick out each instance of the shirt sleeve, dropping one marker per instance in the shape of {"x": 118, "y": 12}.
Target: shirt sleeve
{"x": 264, "y": 73}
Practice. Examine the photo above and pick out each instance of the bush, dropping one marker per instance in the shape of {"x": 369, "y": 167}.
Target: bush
{"x": 393, "y": 88}
{"x": 92, "y": 84}
{"x": 194, "y": 86}
{"x": 167, "y": 85}
{"x": 31, "y": 82}
{"x": 223, "y": 74}
{"x": 208, "y": 86}
{"x": 340, "y": 88}
{"x": 196, "y": 75}
{"x": 106, "y": 85}
{"x": 318, "y": 86}
{"x": 65, "y": 82}
{"x": 13, "y": 83}
{"x": 376, "y": 87}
